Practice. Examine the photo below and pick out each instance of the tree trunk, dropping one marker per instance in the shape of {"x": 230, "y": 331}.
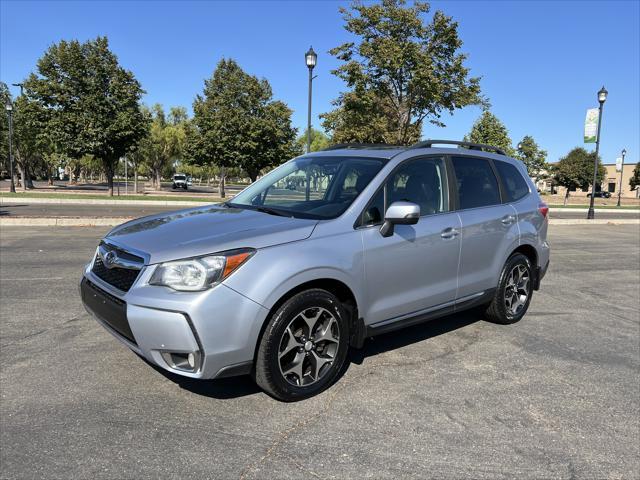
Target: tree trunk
{"x": 21, "y": 169}
{"x": 135, "y": 179}
{"x": 158, "y": 179}
{"x": 221, "y": 184}
{"x": 28, "y": 181}
{"x": 109, "y": 172}
{"x": 110, "y": 183}
{"x": 566, "y": 196}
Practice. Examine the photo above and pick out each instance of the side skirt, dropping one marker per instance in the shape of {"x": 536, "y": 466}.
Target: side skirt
{"x": 459, "y": 306}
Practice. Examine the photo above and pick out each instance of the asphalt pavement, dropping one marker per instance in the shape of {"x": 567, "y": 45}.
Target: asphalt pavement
{"x": 30, "y": 210}
{"x": 555, "y": 396}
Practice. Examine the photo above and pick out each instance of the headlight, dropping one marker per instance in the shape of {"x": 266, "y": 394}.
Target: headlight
{"x": 199, "y": 273}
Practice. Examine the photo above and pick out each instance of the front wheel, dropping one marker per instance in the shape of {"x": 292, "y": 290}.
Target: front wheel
{"x": 513, "y": 295}
{"x": 304, "y": 346}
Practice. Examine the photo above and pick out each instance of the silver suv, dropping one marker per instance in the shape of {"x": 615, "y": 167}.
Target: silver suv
{"x": 323, "y": 252}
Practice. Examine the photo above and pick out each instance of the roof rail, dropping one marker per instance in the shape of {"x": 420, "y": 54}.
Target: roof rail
{"x": 341, "y": 146}
{"x": 469, "y": 145}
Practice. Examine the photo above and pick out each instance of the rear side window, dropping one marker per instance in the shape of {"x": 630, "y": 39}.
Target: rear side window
{"x": 512, "y": 180}
{"x": 477, "y": 185}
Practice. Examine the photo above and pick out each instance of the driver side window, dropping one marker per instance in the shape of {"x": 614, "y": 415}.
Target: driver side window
{"x": 422, "y": 181}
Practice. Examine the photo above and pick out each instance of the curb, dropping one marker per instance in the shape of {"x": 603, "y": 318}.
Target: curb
{"x": 95, "y": 201}
{"x": 114, "y": 221}
{"x": 596, "y": 221}
{"x": 187, "y": 203}
{"x": 62, "y": 221}
{"x": 597, "y": 210}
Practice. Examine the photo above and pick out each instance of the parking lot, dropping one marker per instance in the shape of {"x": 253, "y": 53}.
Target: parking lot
{"x": 554, "y": 396}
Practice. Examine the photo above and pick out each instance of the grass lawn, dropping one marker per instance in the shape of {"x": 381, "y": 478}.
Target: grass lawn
{"x": 98, "y": 196}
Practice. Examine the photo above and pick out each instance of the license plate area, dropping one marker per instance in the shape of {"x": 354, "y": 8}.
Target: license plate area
{"x": 111, "y": 310}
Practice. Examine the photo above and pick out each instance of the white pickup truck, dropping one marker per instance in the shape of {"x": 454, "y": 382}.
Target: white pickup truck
{"x": 180, "y": 180}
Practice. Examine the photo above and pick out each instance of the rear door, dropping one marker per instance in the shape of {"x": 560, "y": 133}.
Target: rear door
{"x": 415, "y": 268}
{"x": 489, "y": 227}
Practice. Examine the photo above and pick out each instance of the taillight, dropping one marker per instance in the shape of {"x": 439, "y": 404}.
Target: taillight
{"x": 543, "y": 208}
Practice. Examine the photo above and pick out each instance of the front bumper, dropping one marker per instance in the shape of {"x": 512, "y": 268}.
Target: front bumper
{"x": 219, "y": 325}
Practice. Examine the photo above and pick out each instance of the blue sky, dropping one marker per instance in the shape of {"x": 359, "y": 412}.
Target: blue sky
{"x": 541, "y": 62}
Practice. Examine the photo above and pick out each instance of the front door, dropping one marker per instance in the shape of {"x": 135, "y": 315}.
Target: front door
{"x": 415, "y": 269}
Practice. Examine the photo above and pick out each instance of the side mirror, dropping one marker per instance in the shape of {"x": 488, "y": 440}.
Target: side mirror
{"x": 399, "y": 213}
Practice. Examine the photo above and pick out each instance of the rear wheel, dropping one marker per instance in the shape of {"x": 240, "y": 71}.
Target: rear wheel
{"x": 303, "y": 347}
{"x": 513, "y": 295}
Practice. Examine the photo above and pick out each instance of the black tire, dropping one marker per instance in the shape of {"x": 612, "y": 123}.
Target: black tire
{"x": 497, "y": 311}
{"x": 268, "y": 373}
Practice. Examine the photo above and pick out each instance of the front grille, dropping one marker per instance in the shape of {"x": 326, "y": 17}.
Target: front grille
{"x": 121, "y": 278}
{"x": 111, "y": 310}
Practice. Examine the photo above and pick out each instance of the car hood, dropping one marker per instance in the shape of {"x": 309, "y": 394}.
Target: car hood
{"x": 204, "y": 230}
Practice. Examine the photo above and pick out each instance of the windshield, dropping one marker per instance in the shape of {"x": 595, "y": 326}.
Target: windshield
{"x": 320, "y": 188}
{"x": 179, "y": 177}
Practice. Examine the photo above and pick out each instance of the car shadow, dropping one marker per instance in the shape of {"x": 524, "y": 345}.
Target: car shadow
{"x": 222, "y": 388}
{"x": 235, "y": 387}
{"x": 414, "y": 334}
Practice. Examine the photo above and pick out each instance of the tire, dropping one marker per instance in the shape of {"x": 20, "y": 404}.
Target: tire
{"x": 287, "y": 362}
{"x": 508, "y": 305}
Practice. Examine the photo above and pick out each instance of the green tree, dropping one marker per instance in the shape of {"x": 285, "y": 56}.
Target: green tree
{"x": 575, "y": 170}
{"x": 319, "y": 141}
{"x": 634, "y": 181}
{"x": 93, "y": 103}
{"x": 238, "y": 124}
{"x": 31, "y": 142}
{"x": 401, "y": 72}
{"x": 165, "y": 141}
{"x": 532, "y": 156}
{"x": 490, "y": 130}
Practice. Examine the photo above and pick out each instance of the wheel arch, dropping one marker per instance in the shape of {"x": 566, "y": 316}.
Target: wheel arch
{"x": 528, "y": 251}
{"x": 337, "y": 287}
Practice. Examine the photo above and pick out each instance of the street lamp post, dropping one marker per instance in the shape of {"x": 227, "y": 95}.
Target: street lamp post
{"x": 9, "y": 108}
{"x": 21, "y": 85}
{"x": 311, "y": 59}
{"x": 624, "y": 152}
{"x": 602, "y": 97}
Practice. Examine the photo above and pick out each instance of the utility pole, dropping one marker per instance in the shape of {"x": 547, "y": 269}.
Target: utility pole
{"x": 602, "y": 97}
{"x": 624, "y": 152}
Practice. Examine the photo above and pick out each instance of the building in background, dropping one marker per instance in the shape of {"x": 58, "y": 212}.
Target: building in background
{"x": 610, "y": 183}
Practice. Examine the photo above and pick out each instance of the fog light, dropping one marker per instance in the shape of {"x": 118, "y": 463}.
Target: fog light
{"x": 189, "y": 362}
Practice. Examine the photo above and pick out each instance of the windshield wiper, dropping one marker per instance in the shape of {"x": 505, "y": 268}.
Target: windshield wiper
{"x": 272, "y": 211}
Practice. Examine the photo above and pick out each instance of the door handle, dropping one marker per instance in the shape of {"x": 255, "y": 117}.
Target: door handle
{"x": 449, "y": 233}
{"x": 508, "y": 219}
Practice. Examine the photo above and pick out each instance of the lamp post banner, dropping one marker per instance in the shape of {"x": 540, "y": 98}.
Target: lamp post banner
{"x": 591, "y": 126}
{"x": 619, "y": 164}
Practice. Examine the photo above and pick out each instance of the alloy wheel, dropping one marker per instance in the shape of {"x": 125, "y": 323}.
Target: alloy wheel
{"x": 308, "y": 346}
{"x": 516, "y": 290}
